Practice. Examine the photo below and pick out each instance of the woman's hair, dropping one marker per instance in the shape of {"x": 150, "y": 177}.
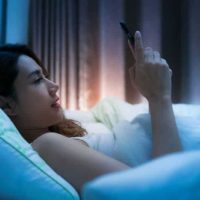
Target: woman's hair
{"x": 9, "y": 55}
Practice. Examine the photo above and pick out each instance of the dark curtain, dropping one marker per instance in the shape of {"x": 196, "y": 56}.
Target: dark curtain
{"x": 81, "y": 44}
{"x": 83, "y": 47}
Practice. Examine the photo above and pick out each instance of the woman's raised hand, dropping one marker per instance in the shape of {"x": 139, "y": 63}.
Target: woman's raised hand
{"x": 152, "y": 76}
{"x": 151, "y": 73}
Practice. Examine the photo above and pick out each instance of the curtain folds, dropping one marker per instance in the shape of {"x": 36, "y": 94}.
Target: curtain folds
{"x": 81, "y": 44}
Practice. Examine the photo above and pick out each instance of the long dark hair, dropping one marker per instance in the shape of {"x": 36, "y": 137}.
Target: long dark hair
{"x": 9, "y": 55}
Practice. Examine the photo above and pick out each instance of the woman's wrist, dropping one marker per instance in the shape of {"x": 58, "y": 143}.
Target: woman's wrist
{"x": 160, "y": 100}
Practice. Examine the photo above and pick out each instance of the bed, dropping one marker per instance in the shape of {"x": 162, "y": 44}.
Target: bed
{"x": 24, "y": 175}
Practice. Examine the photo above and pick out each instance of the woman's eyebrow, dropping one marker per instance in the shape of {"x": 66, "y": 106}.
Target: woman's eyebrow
{"x": 36, "y": 72}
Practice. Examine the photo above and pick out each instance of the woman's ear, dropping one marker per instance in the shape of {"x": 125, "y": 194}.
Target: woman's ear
{"x": 7, "y": 105}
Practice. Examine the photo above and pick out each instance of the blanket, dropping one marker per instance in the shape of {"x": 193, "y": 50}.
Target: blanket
{"x": 131, "y": 129}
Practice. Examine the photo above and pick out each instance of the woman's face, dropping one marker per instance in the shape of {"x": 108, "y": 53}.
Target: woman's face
{"x": 37, "y": 104}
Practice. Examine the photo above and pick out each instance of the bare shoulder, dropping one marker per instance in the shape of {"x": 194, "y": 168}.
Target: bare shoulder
{"x": 70, "y": 159}
{"x": 50, "y": 139}
{"x": 44, "y": 138}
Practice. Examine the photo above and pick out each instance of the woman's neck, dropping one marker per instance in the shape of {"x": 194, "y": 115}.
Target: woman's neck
{"x": 31, "y": 134}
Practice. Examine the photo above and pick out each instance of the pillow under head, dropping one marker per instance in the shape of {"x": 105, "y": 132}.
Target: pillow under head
{"x": 23, "y": 173}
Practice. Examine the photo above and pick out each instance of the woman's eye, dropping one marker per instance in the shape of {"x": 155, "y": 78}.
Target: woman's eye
{"x": 38, "y": 80}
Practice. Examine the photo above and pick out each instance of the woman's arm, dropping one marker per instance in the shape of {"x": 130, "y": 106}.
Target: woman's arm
{"x": 152, "y": 76}
{"x": 74, "y": 161}
{"x": 165, "y": 138}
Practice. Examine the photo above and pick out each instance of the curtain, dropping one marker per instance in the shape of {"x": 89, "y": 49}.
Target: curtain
{"x": 80, "y": 42}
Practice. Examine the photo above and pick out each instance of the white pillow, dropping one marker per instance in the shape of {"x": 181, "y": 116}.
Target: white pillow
{"x": 175, "y": 177}
{"x": 112, "y": 110}
{"x": 79, "y": 115}
{"x": 96, "y": 128}
{"x": 133, "y": 139}
{"x": 23, "y": 174}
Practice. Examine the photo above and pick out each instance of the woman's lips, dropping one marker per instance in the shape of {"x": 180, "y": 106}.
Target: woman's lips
{"x": 56, "y": 104}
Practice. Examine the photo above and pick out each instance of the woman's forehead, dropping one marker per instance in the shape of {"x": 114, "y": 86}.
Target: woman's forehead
{"x": 27, "y": 65}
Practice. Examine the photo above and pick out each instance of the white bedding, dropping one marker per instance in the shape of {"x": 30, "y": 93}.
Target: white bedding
{"x": 130, "y": 138}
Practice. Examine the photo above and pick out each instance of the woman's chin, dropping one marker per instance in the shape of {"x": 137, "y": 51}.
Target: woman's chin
{"x": 58, "y": 116}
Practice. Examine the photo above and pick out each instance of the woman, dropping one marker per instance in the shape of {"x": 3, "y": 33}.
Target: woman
{"x": 29, "y": 99}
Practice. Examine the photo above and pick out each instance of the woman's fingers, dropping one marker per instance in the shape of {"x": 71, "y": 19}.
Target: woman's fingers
{"x": 139, "y": 52}
{"x": 151, "y": 72}
{"x": 148, "y": 55}
{"x": 164, "y": 62}
{"x": 157, "y": 56}
{"x": 132, "y": 51}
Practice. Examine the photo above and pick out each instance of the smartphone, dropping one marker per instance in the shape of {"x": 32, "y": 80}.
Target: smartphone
{"x": 128, "y": 33}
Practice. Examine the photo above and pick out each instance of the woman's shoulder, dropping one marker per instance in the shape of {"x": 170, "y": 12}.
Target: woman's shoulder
{"x": 46, "y": 136}
{"x": 45, "y": 140}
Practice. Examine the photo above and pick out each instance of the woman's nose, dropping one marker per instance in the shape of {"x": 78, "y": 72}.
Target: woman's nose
{"x": 53, "y": 88}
